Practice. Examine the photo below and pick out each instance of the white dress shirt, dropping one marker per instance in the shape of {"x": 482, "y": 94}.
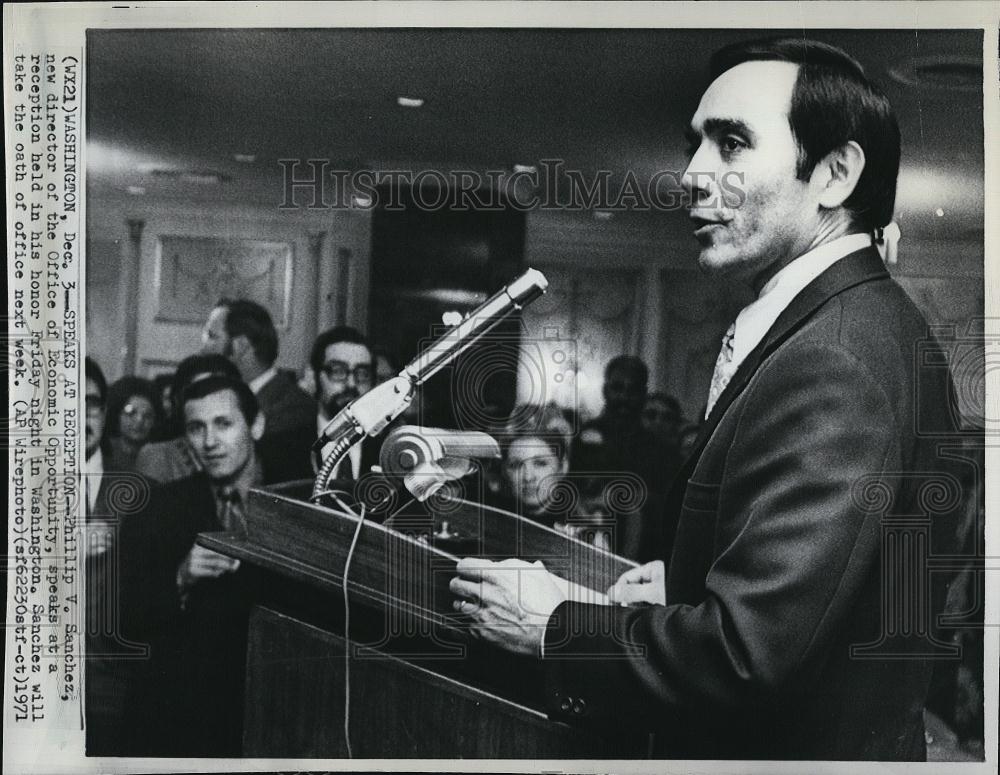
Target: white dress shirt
{"x": 93, "y": 473}
{"x": 258, "y": 382}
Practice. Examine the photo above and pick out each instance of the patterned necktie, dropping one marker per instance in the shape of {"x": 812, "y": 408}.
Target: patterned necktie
{"x": 723, "y": 370}
{"x": 232, "y": 517}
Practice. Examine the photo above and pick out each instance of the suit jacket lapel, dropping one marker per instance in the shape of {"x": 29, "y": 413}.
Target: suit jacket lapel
{"x": 202, "y": 506}
{"x": 854, "y": 269}
{"x": 101, "y": 506}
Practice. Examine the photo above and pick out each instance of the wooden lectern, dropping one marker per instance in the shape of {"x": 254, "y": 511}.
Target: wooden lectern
{"x": 420, "y": 686}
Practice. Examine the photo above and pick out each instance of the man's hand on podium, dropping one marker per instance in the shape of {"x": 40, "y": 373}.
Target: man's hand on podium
{"x": 509, "y": 602}
{"x": 645, "y": 584}
{"x": 201, "y": 563}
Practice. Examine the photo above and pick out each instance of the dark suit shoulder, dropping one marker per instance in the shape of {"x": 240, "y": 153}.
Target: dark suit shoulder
{"x": 880, "y": 301}
{"x": 285, "y": 405}
{"x": 879, "y": 326}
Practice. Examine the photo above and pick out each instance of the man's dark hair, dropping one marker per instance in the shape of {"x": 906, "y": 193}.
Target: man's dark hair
{"x": 193, "y": 365}
{"x": 833, "y": 102}
{"x": 627, "y": 364}
{"x": 92, "y": 371}
{"x": 547, "y": 423}
{"x": 216, "y": 384}
{"x": 184, "y": 374}
{"x": 335, "y": 335}
{"x": 249, "y": 319}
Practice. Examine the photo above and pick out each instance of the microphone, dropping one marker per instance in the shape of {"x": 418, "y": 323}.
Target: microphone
{"x": 521, "y": 292}
{"x": 369, "y": 414}
{"x": 373, "y": 411}
{"x": 426, "y": 458}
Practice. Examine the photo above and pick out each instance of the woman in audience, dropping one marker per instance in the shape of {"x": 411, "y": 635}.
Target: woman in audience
{"x": 133, "y": 414}
{"x": 534, "y": 480}
{"x": 535, "y": 459}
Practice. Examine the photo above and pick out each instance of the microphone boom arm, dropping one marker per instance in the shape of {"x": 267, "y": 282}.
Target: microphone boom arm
{"x": 368, "y": 415}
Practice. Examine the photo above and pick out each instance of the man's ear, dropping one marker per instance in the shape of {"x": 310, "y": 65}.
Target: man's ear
{"x": 257, "y": 429}
{"x": 838, "y": 173}
{"x": 240, "y": 344}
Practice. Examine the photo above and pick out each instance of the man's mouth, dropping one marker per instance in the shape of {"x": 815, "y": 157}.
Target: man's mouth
{"x": 703, "y": 225}
{"x": 339, "y": 401}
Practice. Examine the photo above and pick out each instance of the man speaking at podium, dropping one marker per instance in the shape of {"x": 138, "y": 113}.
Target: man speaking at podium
{"x": 763, "y": 635}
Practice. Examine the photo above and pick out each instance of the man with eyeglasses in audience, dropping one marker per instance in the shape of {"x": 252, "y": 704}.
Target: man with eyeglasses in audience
{"x": 344, "y": 368}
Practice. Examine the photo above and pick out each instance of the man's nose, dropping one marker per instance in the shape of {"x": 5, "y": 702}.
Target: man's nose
{"x": 697, "y": 180}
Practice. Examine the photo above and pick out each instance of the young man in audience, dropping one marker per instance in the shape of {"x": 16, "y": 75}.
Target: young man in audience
{"x": 189, "y": 602}
{"x": 173, "y": 458}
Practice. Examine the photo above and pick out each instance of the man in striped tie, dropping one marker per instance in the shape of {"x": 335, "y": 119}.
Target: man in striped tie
{"x": 771, "y": 630}
{"x": 189, "y": 602}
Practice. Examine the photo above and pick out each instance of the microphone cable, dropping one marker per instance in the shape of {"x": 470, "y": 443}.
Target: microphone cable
{"x": 347, "y": 615}
{"x": 347, "y": 635}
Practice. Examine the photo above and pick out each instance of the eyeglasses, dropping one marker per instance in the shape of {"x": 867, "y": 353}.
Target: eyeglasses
{"x": 338, "y": 371}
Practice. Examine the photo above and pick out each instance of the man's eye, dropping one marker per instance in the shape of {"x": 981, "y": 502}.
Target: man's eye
{"x": 732, "y": 144}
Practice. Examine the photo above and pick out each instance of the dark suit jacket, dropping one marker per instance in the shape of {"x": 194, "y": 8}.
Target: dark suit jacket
{"x": 192, "y": 699}
{"x": 113, "y": 665}
{"x": 286, "y": 406}
{"x": 784, "y": 553}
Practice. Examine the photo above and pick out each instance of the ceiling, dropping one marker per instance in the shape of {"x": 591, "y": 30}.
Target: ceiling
{"x": 597, "y": 99}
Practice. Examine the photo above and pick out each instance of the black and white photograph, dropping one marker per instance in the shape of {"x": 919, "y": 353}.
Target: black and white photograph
{"x": 520, "y": 387}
